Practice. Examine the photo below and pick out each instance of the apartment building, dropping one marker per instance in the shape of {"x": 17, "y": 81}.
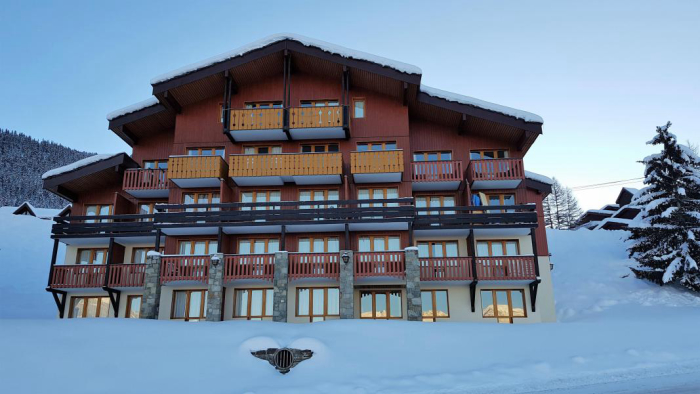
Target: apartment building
{"x": 298, "y": 181}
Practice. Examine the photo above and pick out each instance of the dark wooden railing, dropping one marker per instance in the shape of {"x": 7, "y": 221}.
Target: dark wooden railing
{"x": 104, "y": 225}
{"x": 436, "y": 171}
{"x": 446, "y": 268}
{"x": 143, "y": 179}
{"x": 369, "y": 264}
{"x": 506, "y": 268}
{"x": 184, "y": 268}
{"x": 517, "y": 216}
{"x": 495, "y": 170}
{"x": 249, "y": 266}
{"x": 314, "y": 265}
{"x": 81, "y": 275}
{"x": 125, "y": 275}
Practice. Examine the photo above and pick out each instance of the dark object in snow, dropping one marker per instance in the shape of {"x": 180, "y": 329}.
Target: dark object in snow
{"x": 283, "y": 359}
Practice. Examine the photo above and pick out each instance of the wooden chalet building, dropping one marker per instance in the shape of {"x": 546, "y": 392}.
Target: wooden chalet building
{"x": 295, "y": 180}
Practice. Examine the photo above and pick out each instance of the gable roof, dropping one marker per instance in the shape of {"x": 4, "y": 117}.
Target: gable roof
{"x": 25, "y": 208}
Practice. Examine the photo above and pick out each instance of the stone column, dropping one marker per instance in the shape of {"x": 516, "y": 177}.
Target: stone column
{"x": 414, "y": 303}
{"x": 151, "y": 287}
{"x": 347, "y": 286}
{"x": 280, "y": 283}
{"x": 215, "y": 291}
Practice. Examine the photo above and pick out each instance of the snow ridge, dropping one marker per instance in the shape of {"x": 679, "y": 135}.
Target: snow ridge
{"x": 132, "y": 108}
{"x": 78, "y": 164}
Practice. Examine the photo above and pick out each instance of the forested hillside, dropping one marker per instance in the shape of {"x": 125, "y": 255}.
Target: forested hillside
{"x": 22, "y": 161}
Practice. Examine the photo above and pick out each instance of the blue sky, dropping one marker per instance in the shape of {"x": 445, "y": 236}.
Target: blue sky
{"x": 602, "y": 74}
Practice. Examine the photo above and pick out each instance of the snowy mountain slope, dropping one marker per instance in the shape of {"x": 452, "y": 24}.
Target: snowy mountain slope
{"x": 604, "y": 335}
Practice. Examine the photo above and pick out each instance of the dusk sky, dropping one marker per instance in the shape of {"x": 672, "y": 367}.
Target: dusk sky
{"x": 602, "y": 74}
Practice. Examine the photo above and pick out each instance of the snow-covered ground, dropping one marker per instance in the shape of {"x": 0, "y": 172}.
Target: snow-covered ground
{"x": 615, "y": 334}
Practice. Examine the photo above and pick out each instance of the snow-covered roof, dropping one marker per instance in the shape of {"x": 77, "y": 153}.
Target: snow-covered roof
{"x": 309, "y": 42}
{"x": 132, "y": 108}
{"x": 607, "y": 207}
{"x": 631, "y": 190}
{"x": 599, "y": 212}
{"x": 78, "y": 164}
{"x": 458, "y": 98}
{"x": 25, "y": 205}
{"x": 538, "y": 177}
{"x": 602, "y": 223}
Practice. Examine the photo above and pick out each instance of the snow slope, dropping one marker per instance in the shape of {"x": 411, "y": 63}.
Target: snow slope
{"x": 603, "y": 340}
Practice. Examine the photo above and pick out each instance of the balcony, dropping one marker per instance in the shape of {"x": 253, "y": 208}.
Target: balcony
{"x": 78, "y": 276}
{"x": 495, "y": 173}
{"x": 257, "y": 124}
{"x": 276, "y": 169}
{"x": 87, "y": 230}
{"x": 376, "y": 166}
{"x": 506, "y": 268}
{"x": 318, "y": 122}
{"x": 380, "y": 264}
{"x": 249, "y": 266}
{"x": 436, "y": 175}
{"x": 314, "y": 265}
{"x": 197, "y": 171}
{"x": 191, "y": 268}
{"x": 125, "y": 275}
{"x": 446, "y": 269}
{"x": 146, "y": 183}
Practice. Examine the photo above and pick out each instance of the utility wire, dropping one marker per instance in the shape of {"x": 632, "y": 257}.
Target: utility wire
{"x": 606, "y": 184}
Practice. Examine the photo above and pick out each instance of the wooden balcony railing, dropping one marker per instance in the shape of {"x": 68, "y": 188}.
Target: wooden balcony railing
{"x": 314, "y": 265}
{"x": 143, "y": 179}
{"x": 126, "y": 275}
{"x": 436, "y": 171}
{"x": 188, "y": 167}
{"x": 495, "y": 170}
{"x": 256, "y": 119}
{"x": 446, "y": 268}
{"x": 286, "y": 164}
{"x": 369, "y": 264}
{"x": 249, "y": 266}
{"x": 77, "y": 276}
{"x": 104, "y": 226}
{"x": 184, "y": 268}
{"x": 375, "y": 162}
{"x": 506, "y": 268}
{"x": 317, "y": 117}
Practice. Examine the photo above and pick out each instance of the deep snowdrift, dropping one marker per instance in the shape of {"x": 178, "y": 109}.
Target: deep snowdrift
{"x": 612, "y": 328}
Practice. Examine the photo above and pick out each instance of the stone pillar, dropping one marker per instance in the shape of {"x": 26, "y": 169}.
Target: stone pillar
{"x": 280, "y": 283}
{"x": 347, "y": 286}
{"x": 150, "y": 301}
{"x": 215, "y": 290}
{"x": 414, "y": 303}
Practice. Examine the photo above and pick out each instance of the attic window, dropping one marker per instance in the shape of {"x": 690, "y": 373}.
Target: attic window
{"x": 358, "y": 108}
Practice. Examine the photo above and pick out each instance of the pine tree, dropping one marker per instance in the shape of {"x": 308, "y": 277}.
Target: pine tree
{"x": 560, "y": 208}
{"x": 666, "y": 242}
{"x": 573, "y": 211}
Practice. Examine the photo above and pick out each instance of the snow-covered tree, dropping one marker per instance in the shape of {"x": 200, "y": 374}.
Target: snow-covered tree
{"x": 666, "y": 241}
{"x": 561, "y": 209}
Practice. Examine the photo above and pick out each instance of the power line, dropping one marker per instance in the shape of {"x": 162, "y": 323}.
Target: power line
{"x": 606, "y": 184}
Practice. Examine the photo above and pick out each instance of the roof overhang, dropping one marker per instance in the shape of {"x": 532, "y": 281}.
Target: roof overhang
{"x": 135, "y": 125}
{"x": 93, "y": 176}
{"x": 541, "y": 187}
{"x": 24, "y": 208}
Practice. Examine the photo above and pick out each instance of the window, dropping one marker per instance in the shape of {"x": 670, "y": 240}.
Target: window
{"x": 319, "y": 148}
{"x": 358, "y": 108}
{"x": 263, "y": 104}
{"x": 201, "y": 198}
{"x": 91, "y": 256}
{"x": 318, "y": 302}
{"x": 501, "y": 199}
{"x": 82, "y": 307}
{"x": 155, "y": 164}
{"x": 319, "y": 245}
{"x": 195, "y": 248}
{"x": 258, "y": 246}
{"x": 148, "y": 208}
{"x": 432, "y": 156}
{"x": 435, "y": 305}
{"x": 262, "y": 149}
{"x": 503, "y": 305}
{"x": 318, "y": 195}
{"x": 435, "y": 201}
{"x": 379, "y": 243}
{"x": 497, "y": 248}
{"x": 438, "y": 249}
{"x": 216, "y": 151}
{"x": 189, "y": 305}
{"x": 319, "y": 103}
{"x": 380, "y": 304}
{"x": 261, "y": 196}
{"x": 488, "y": 154}
{"x": 379, "y": 193}
{"x": 253, "y": 304}
{"x": 138, "y": 255}
{"x": 98, "y": 210}
{"x": 375, "y": 146}
{"x": 133, "y": 307}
